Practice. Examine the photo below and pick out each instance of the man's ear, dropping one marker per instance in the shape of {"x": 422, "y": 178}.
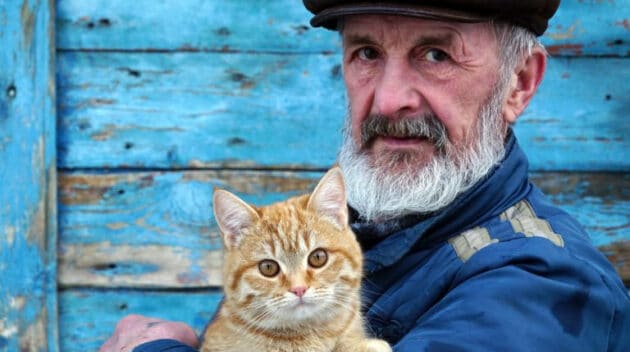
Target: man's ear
{"x": 525, "y": 81}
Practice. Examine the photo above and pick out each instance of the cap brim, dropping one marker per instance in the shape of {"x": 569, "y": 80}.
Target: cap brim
{"x": 328, "y": 17}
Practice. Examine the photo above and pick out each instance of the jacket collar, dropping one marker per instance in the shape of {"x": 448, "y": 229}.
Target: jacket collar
{"x": 507, "y": 183}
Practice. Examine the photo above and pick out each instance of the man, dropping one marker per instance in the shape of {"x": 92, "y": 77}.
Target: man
{"x": 462, "y": 251}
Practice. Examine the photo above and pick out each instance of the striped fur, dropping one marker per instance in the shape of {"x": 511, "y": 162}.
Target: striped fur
{"x": 262, "y": 313}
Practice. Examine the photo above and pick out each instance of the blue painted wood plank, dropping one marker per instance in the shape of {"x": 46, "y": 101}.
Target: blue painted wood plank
{"x": 88, "y": 317}
{"x": 590, "y": 27}
{"x": 182, "y": 110}
{"x": 578, "y": 118}
{"x": 235, "y": 25}
{"x": 112, "y": 227}
{"x": 28, "y": 297}
{"x": 599, "y": 201}
{"x": 579, "y": 28}
{"x": 221, "y": 110}
{"x": 156, "y": 229}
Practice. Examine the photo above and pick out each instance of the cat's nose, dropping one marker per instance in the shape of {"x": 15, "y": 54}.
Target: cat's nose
{"x": 299, "y": 290}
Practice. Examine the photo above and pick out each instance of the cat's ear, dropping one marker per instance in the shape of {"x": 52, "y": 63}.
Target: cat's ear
{"x": 233, "y": 216}
{"x": 329, "y": 198}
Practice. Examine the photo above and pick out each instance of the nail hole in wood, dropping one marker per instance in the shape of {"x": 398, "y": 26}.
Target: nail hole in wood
{"x": 11, "y": 91}
{"x": 104, "y": 266}
{"x": 134, "y": 73}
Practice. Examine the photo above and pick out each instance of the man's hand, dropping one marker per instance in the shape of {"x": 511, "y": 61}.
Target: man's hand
{"x": 134, "y": 330}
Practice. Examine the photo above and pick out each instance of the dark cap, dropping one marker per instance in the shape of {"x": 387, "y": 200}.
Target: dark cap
{"x": 531, "y": 14}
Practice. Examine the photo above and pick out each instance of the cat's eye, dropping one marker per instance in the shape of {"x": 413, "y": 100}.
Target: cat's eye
{"x": 318, "y": 258}
{"x": 269, "y": 268}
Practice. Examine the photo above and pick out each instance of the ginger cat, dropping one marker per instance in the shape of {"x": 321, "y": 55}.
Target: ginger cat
{"x": 292, "y": 275}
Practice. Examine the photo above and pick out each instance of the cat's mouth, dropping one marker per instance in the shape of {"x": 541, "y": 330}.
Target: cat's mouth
{"x": 302, "y": 302}
{"x": 302, "y": 310}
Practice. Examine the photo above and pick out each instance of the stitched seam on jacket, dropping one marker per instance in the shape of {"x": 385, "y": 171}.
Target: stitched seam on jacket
{"x": 468, "y": 243}
{"x": 524, "y": 220}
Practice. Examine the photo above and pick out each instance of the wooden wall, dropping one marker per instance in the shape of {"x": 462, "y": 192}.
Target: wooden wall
{"x": 160, "y": 101}
{"x": 28, "y": 287}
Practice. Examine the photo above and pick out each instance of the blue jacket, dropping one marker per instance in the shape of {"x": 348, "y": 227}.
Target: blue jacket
{"x": 500, "y": 269}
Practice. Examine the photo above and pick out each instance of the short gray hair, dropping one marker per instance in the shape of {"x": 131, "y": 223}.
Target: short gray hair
{"x": 515, "y": 43}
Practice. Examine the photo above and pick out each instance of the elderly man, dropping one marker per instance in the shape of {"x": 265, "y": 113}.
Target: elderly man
{"x": 462, "y": 251}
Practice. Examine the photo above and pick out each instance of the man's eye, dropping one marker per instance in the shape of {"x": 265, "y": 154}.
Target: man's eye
{"x": 367, "y": 54}
{"x": 436, "y": 55}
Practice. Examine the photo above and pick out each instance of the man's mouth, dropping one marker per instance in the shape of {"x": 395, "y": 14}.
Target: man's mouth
{"x": 395, "y": 142}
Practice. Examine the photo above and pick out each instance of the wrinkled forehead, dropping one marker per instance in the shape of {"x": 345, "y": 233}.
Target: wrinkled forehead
{"x": 392, "y": 28}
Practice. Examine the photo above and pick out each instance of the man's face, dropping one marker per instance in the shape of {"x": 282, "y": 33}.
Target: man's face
{"x": 405, "y": 68}
{"x": 424, "y": 111}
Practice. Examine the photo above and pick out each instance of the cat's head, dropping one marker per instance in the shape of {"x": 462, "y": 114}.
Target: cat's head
{"x": 291, "y": 262}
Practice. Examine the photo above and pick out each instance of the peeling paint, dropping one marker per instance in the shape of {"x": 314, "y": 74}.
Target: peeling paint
{"x": 28, "y": 281}
{"x": 569, "y": 33}
{"x": 104, "y": 264}
{"x": 117, "y": 226}
{"x": 102, "y": 135}
{"x": 34, "y": 338}
{"x": 9, "y": 233}
{"x": 7, "y": 331}
{"x": 625, "y": 24}
{"x": 27, "y": 18}
{"x": 575, "y": 49}
{"x": 109, "y": 131}
{"x": 17, "y": 302}
{"x": 36, "y": 230}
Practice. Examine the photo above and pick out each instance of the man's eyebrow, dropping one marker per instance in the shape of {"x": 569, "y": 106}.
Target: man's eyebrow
{"x": 444, "y": 39}
{"x": 358, "y": 39}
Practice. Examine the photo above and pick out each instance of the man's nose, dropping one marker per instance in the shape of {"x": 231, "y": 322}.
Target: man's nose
{"x": 397, "y": 91}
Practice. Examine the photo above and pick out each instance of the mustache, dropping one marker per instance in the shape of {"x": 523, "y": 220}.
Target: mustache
{"x": 427, "y": 127}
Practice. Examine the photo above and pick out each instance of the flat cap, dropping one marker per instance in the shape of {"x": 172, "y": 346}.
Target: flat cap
{"x": 531, "y": 14}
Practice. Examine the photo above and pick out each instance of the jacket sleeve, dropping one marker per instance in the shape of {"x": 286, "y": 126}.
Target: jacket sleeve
{"x": 509, "y": 300}
{"x": 164, "y": 346}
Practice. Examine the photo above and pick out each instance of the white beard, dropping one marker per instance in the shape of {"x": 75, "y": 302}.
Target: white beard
{"x": 379, "y": 194}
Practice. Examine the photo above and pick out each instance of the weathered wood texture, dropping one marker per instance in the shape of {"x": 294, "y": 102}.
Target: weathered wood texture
{"x": 216, "y": 110}
{"x": 581, "y": 27}
{"x": 198, "y": 110}
{"x": 153, "y": 229}
{"x": 28, "y": 291}
{"x": 156, "y": 229}
{"x": 89, "y": 316}
{"x": 166, "y": 107}
{"x": 158, "y": 100}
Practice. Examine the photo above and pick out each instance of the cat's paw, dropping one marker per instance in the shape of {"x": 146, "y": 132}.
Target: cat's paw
{"x": 375, "y": 345}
